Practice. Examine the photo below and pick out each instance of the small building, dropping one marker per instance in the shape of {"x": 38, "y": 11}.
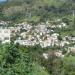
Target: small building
{"x": 71, "y": 49}
{"x": 25, "y": 42}
{"x": 3, "y": 23}
{"x": 5, "y": 35}
{"x": 58, "y": 54}
{"x": 73, "y": 39}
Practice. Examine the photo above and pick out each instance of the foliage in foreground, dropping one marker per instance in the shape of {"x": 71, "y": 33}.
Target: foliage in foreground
{"x": 21, "y": 60}
{"x": 16, "y": 60}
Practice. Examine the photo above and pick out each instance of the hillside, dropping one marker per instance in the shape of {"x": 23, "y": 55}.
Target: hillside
{"x": 37, "y": 37}
{"x": 36, "y": 10}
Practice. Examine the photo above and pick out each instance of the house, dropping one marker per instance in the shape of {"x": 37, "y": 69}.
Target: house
{"x": 45, "y": 55}
{"x": 63, "y": 43}
{"x": 3, "y": 23}
{"x": 58, "y": 54}
{"x": 5, "y": 35}
{"x": 14, "y": 29}
{"x": 71, "y": 49}
{"x": 41, "y": 28}
{"x": 70, "y": 38}
{"x": 24, "y": 25}
{"x": 25, "y": 42}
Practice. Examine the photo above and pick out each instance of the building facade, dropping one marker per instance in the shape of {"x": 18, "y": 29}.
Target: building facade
{"x": 5, "y": 35}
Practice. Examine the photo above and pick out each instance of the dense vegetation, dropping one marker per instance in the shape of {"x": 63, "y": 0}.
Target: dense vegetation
{"x": 20, "y": 60}
{"x": 16, "y": 60}
{"x": 37, "y": 10}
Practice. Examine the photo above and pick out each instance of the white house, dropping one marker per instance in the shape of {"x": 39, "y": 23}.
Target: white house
{"x": 25, "y": 42}
{"x": 3, "y": 23}
{"x": 5, "y": 35}
{"x": 71, "y": 49}
{"x": 45, "y": 55}
{"x": 59, "y": 54}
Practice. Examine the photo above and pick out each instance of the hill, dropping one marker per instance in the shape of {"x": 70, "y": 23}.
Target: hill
{"x": 36, "y": 10}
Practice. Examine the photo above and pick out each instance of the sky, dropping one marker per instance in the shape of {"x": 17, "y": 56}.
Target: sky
{"x": 2, "y": 0}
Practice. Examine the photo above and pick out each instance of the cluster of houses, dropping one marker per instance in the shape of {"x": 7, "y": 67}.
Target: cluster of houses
{"x": 29, "y": 35}
{"x": 32, "y": 35}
